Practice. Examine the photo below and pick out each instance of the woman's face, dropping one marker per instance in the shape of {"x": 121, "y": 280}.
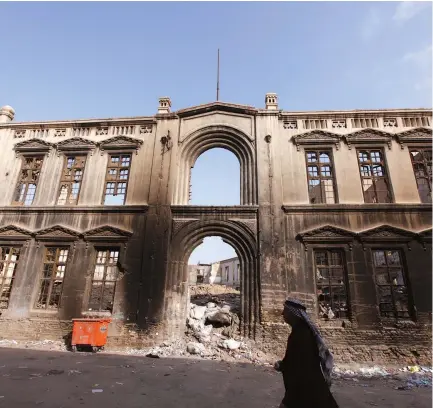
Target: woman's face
{"x": 289, "y": 317}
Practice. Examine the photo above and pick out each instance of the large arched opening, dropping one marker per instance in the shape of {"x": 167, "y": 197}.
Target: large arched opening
{"x": 215, "y": 179}
{"x": 210, "y": 137}
{"x": 192, "y": 233}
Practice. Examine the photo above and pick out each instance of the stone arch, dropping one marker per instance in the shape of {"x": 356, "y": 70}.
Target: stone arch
{"x": 191, "y": 235}
{"x": 209, "y": 137}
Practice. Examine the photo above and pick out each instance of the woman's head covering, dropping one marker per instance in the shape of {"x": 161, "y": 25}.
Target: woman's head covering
{"x": 326, "y": 359}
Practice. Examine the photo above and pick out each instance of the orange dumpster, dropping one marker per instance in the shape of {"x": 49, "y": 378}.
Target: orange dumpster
{"x": 89, "y": 332}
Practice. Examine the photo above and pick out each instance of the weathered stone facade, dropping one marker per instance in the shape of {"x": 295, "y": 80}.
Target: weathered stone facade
{"x": 290, "y": 214}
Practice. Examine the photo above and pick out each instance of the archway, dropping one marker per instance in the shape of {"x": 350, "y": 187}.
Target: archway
{"x": 192, "y": 234}
{"x": 226, "y": 137}
{"x": 215, "y": 179}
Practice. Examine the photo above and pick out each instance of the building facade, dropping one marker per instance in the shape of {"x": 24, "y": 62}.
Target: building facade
{"x": 335, "y": 210}
{"x": 226, "y": 272}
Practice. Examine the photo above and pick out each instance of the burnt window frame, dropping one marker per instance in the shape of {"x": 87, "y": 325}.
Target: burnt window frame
{"x": 342, "y": 249}
{"x": 62, "y": 181}
{"x": 369, "y": 149}
{"x": 385, "y": 246}
{"x": 318, "y": 150}
{"x": 117, "y": 180}
{"x": 20, "y": 247}
{"x": 58, "y": 247}
{"x": 428, "y": 177}
{"x": 16, "y": 195}
{"x": 96, "y": 249}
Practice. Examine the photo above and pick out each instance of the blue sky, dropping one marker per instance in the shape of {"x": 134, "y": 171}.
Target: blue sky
{"x": 81, "y": 60}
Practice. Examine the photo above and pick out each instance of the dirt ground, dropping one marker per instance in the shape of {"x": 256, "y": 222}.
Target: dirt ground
{"x": 50, "y": 379}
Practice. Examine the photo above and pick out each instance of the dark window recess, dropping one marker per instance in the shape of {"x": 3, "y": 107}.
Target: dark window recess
{"x": 320, "y": 177}
{"x": 331, "y": 284}
{"x": 116, "y": 179}
{"x": 104, "y": 280}
{"x": 53, "y": 273}
{"x": 200, "y": 278}
{"x": 28, "y": 180}
{"x": 391, "y": 284}
{"x": 72, "y": 176}
{"x": 375, "y": 185}
{"x": 421, "y": 162}
{"x": 9, "y": 257}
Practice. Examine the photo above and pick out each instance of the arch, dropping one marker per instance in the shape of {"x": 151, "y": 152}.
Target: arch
{"x": 209, "y": 137}
{"x": 191, "y": 235}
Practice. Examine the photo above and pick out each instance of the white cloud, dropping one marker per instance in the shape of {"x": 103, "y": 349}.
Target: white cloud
{"x": 407, "y": 10}
{"x": 371, "y": 24}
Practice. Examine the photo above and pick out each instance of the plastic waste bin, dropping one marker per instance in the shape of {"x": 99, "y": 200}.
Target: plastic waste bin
{"x": 89, "y": 332}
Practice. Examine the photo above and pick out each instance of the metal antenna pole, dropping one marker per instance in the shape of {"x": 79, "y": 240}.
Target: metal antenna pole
{"x": 218, "y": 76}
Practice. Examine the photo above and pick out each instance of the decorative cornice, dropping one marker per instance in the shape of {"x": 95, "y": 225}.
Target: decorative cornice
{"x": 342, "y": 208}
{"x": 317, "y": 137}
{"x": 180, "y": 210}
{"x": 425, "y": 235}
{"x": 107, "y": 233}
{"x": 76, "y": 144}
{"x": 120, "y": 143}
{"x": 368, "y": 136}
{"x": 327, "y": 233}
{"x": 12, "y": 232}
{"x": 109, "y": 209}
{"x": 387, "y": 233}
{"x": 417, "y": 135}
{"x": 33, "y": 146}
{"x": 57, "y": 233}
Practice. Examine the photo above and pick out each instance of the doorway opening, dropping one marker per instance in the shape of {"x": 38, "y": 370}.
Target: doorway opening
{"x": 214, "y": 273}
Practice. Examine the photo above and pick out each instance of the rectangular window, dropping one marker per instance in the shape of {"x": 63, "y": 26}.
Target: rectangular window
{"x": 320, "y": 175}
{"x": 53, "y": 273}
{"x": 72, "y": 177}
{"x": 331, "y": 284}
{"x": 104, "y": 280}
{"x": 238, "y": 274}
{"x": 28, "y": 180}
{"x": 8, "y": 264}
{"x": 391, "y": 284}
{"x": 421, "y": 162}
{"x": 374, "y": 176}
{"x": 117, "y": 179}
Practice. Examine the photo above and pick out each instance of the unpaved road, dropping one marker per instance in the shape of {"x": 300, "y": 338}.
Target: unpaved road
{"x": 46, "y": 379}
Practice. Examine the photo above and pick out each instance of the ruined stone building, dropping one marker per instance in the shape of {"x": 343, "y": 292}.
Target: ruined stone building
{"x": 335, "y": 210}
{"x": 225, "y": 272}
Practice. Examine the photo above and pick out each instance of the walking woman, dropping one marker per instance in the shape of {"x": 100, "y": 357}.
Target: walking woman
{"x": 307, "y": 365}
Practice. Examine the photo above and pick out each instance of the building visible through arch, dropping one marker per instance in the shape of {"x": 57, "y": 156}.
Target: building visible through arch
{"x": 335, "y": 210}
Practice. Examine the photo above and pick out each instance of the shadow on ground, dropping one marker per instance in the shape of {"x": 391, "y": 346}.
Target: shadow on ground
{"x": 31, "y": 378}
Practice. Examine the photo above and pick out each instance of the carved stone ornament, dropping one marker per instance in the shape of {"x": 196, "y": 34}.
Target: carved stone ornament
{"x": 251, "y": 224}
{"x": 120, "y": 143}
{"x": 102, "y": 131}
{"x": 339, "y": 124}
{"x": 367, "y": 136}
{"x": 417, "y": 135}
{"x": 145, "y": 129}
{"x": 290, "y": 124}
{"x": 107, "y": 233}
{"x": 13, "y": 232}
{"x": 57, "y": 233}
{"x": 76, "y": 144}
{"x": 317, "y": 137}
{"x": 60, "y": 133}
{"x": 327, "y": 233}
{"x": 179, "y": 223}
{"x": 387, "y": 233}
{"x": 33, "y": 146}
{"x": 389, "y": 122}
{"x": 19, "y": 133}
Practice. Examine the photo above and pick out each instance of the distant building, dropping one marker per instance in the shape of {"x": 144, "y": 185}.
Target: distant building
{"x": 225, "y": 272}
